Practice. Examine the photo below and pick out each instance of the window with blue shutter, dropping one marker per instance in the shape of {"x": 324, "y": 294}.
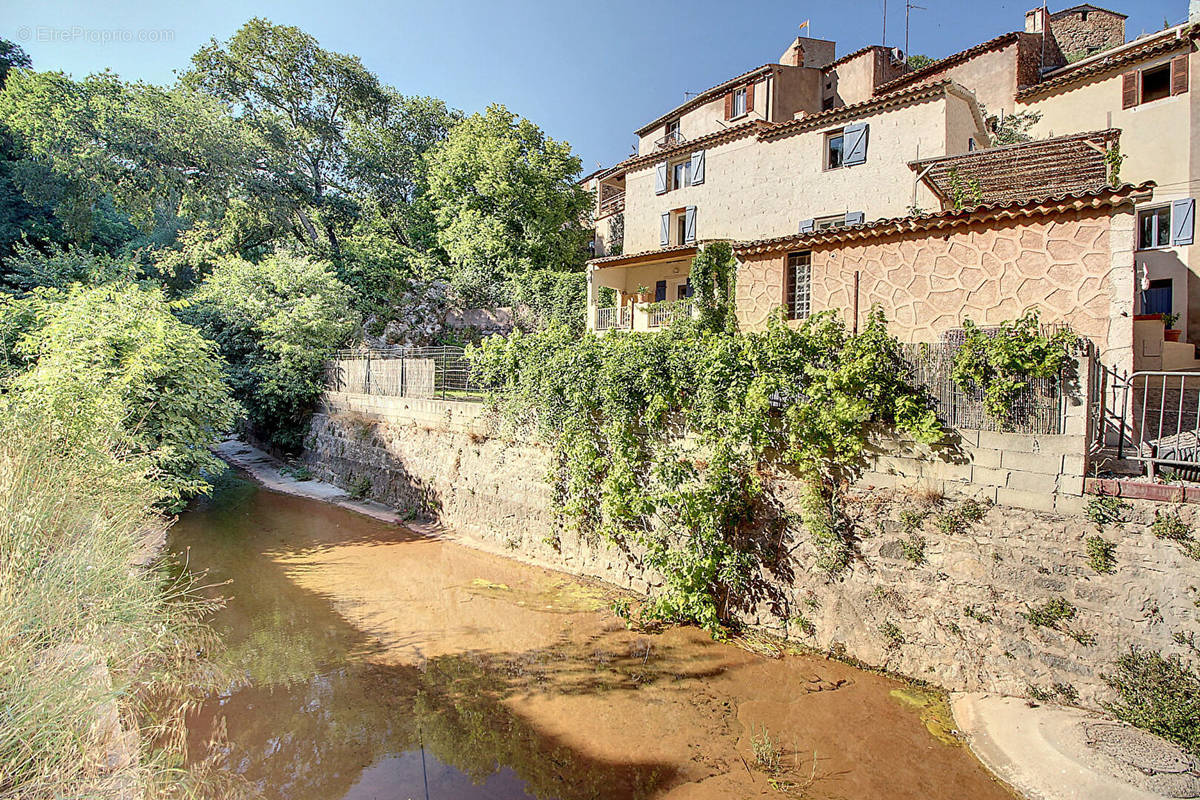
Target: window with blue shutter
{"x": 697, "y": 167}
{"x": 855, "y": 217}
{"x": 660, "y": 178}
{"x": 854, "y": 144}
{"x": 807, "y": 225}
{"x": 664, "y": 238}
{"x": 660, "y": 291}
{"x": 689, "y": 236}
{"x": 1183, "y": 221}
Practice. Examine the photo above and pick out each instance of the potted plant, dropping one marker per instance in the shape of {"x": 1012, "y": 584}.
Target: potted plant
{"x": 1170, "y": 333}
{"x": 644, "y": 293}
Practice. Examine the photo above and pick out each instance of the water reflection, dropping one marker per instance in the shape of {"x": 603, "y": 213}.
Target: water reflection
{"x": 314, "y": 717}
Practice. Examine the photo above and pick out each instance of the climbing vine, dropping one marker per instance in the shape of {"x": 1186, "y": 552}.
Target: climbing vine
{"x": 1001, "y": 363}
{"x": 670, "y": 440}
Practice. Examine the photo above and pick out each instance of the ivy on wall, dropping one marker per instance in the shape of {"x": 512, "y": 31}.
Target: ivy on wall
{"x": 670, "y": 440}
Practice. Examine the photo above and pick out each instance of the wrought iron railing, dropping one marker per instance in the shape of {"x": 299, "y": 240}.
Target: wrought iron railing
{"x": 670, "y": 140}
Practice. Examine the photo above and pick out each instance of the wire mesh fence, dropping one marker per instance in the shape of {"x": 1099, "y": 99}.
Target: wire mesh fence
{"x": 421, "y": 372}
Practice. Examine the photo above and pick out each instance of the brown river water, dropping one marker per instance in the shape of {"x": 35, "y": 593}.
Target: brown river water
{"x": 371, "y": 662}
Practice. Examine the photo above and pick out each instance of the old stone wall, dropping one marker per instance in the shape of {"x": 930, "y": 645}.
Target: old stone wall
{"x": 934, "y": 592}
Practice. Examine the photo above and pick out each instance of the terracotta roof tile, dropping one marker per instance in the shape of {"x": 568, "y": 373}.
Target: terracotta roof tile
{"x": 730, "y": 134}
{"x": 1002, "y": 40}
{"x": 1100, "y": 64}
{"x": 1040, "y": 168}
{"x": 1008, "y": 209}
{"x": 616, "y": 261}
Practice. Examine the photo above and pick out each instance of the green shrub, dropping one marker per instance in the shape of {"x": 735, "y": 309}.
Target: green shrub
{"x": 1169, "y": 526}
{"x": 911, "y": 519}
{"x": 893, "y": 637}
{"x": 1161, "y": 695}
{"x": 1101, "y": 554}
{"x": 1106, "y": 509}
{"x": 914, "y": 549}
{"x": 1051, "y": 614}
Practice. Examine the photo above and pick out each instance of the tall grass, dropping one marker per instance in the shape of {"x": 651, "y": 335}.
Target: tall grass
{"x": 101, "y": 650}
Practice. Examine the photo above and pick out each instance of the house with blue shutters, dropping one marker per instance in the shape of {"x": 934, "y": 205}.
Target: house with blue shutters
{"x": 803, "y": 144}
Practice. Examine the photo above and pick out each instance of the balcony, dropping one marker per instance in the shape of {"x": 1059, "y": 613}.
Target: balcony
{"x": 610, "y": 319}
{"x": 670, "y": 140}
{"x": 643, "y": 316}
{"x": 612, "y": 203}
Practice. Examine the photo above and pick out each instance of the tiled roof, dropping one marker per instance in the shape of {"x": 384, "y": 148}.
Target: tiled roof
{"x": 849, "y": 56}
{"x": 703, "y": 97}
{"x": 1002, "y": 40}
{"x": 907, "y": 95}
{"x": 1040, "y": 168}
{"x": 1099, "y": 64}
{"x": 748, "y": 128}
{"x": 1008, "y": 209}
{"x": 616, "y": 261}
{"x": 1087, "y": 7}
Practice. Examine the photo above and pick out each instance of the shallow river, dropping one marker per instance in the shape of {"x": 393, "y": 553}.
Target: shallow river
{"x": 374, "y": 663}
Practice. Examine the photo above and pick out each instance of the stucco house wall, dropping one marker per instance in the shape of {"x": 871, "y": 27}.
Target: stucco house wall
{"x": 1075, "y": 268}
{"x": 755, "y": 188}
{"x": 1160, "y": 141}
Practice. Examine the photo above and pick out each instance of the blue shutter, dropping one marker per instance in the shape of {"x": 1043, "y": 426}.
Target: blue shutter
{"x": 855, "y": 217}
{"x": 660, "y": 178}
{"x": 697, "y": 167}
{"x": 689, "y": 225}
{"x": 660, "y": 291}
{"x": 807, "y": 225}
{"x": 854, "y": 144}
{"x": 1183, "y": 221}
{"x": 664, "y": 238}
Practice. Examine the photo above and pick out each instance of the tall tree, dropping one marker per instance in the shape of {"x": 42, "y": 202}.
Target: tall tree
{"x": 298, "y": 99}
{"x": 12, "y": 56}
{"x": 506, "y": 202}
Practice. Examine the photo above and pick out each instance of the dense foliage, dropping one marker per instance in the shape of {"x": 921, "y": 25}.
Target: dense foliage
{"x": 1160, "y": 694}
{"x": 276, "y": 323}
{"x": 115, "y": 356}
{"x": 1000, "y": 363}
{"x": 670, "y": 439}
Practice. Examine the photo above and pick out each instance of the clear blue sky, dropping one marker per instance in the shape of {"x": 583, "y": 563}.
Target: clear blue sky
{"x": 589, "y": 73}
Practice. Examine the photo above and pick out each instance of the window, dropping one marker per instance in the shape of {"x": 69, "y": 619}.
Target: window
{"x": 834, "y": 147}
{"x": 681, "y": 174}
{"x": 1154, "y": 228}
{"x": 680, "y": 229}
{"x": 821, "y": 223}
{"x": 798, "y": 285}
{"x": 673, "y": 128}
{"x": 1158, "y": 298}
{"x": 1156, "y": 83}
{"x": 739, "y": 102}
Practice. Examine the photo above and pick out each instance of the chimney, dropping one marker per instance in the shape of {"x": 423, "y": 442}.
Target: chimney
{"x": 794, "y": 57}
{"x": 1038, "y": 20}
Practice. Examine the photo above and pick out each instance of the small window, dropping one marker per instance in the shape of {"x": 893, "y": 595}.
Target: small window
{"x": 798, "y": 285}
{"x": 681, "y": 174}
{"x": 1154, "y": 228}
{"x": 739, "y": 102}
{"x": 828, "y": 222}
{"x": 1156, "y": 83}
{"x": 681, "y": 229}
{"x": 673, "y": 128}
{"x": 834, "y": 145}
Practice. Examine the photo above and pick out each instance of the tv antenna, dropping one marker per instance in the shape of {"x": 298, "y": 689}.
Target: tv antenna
{"x": 908, "y": 7}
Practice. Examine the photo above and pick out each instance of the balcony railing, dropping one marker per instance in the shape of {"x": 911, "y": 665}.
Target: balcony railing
{"x": 615, "y": 318}
{"x": 660, "y": 315}
{"x": 612, "y": 204}
{"x": 670, "y": 140}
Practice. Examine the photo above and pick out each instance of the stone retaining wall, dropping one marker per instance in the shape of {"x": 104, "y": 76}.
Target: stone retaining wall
{"x": 929, "y": 599}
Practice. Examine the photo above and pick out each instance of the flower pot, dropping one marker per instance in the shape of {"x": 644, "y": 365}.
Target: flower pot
{"x": 1172, "y": 335}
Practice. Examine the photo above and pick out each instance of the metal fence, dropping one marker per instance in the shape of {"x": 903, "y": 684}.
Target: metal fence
{"x": 1039, "y": 409}
{"x": 429, "y": 372}
{"x": 444, "y": 373}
